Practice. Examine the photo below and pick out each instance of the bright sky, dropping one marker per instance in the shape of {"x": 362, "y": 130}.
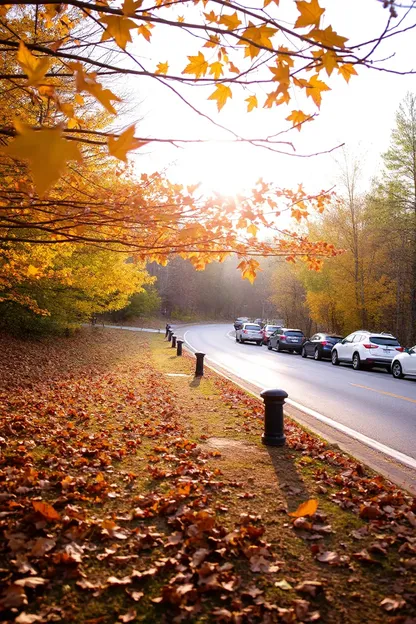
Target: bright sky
{"x": 360, "y": 114}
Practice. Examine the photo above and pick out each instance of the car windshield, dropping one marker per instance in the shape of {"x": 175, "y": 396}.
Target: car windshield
{"x": 386, "y": 341}
{"x": 271, "y": 328}
{"x": 252, "y": 327}
{"x": 333, "y": 337}
{"x": 293, "y": 333}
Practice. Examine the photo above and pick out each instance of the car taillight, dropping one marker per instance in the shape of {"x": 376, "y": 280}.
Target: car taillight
{"x": 370, "y": 346}
{"x": 245, "y": 331}
{"x": 282, "y": 337}
{"x": 401, "y": 349}
{"x": 324, "y": 342}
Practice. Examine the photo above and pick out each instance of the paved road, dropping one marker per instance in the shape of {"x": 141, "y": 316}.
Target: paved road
{"x": 370, "y": 402}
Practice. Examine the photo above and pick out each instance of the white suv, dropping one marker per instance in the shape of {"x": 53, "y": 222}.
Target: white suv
{"x": 364, "y": 348}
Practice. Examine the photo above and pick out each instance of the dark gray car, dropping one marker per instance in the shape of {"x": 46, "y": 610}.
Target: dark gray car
{"x": 284, "y": 339}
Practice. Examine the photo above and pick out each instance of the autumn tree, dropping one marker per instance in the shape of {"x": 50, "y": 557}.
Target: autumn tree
{"x": 400, "y": 199}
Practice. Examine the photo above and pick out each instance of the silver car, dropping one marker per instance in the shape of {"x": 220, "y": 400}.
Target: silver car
{"x": 249, "y": 332}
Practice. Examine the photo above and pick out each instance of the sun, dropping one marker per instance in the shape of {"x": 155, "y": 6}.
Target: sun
{"x": 223, "y": 168}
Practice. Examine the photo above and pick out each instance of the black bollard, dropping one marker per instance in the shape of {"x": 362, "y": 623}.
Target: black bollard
{"x": 173, "y": 342}
{"x": 179, "y": 344}
{"x": 167, "y": 328}
{"x": 170, "y": 334}
{"x": 273, "y": 417}
{"x": 199, "y": 370}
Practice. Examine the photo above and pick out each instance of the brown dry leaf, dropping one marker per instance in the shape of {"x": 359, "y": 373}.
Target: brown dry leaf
{"x": 28, "y": 618}
{"x": 31, "y": 582}
{"x": 307, "y": 508}
{"x": 301, "y": 608}
{"x": 283, "y": 584}
{"x": 113, "y": 580}
{"x": 13, "y": 596}
{"x": 329, "y": 556}
{"x": 128, "y": 617}
{"x": 392, "y": 604}
{"x": 136, "y": 595}
{"x": 371, "y": 512}
{"x": 41, "y": 546}
{"x": 259, "y": 564}
{"x": 309, "y": 587}
{"x": 365, "y": 557}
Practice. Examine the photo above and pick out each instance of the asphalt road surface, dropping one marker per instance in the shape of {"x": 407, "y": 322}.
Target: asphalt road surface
{"x": 370, "y": 402}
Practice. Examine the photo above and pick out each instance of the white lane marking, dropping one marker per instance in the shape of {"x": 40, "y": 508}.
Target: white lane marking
{"x": 352, "y": 433}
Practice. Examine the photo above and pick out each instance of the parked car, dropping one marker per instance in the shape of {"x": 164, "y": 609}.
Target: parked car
{"x": 259, "y": 321}
{"x": 404, "y": 364}
{"x": 364, "y": 348}
{"x": 249, "y": 332}
{"x": 284, "y": 339}
{"x": 267, "y": 332}
{"x": 320, "y": 346}
{"x": 238, "y": 323}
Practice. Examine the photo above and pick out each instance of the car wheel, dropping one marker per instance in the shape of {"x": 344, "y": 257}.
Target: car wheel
{"x": 356, "y": 362}
{"x": 269, "y": 346}
{"x": 334, "y": 358}
{"x": 317, "y": 355}
{"x": 278, "y": 349}
{"x": 397, "y": 371}
{"x": 259, "y": 343}
{"x": 304, "y": 354}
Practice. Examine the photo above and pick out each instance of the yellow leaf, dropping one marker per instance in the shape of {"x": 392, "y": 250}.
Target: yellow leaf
{"x": 162, "y": 68}
{"x": 119, "y": 146}
{"x": 35, "y": 67}
{"x": 328, "y": 58}
{"x": 347, "y": 71}
{"x": 32, "y": 270}
{"x": 310, "y": 14}
{"x": 197, "y": 66}
{"x": 47, "y": 91}
{"x": 233, "y": 68}
{"x": 267, "y": 2}
{"x": 259, "y": 37}
{"x": 252, "y": 229}
{"x": 211, "y": 17}
{"x": 315, "y": 88}
{"x": 221, "y": 94}
{"x": 46, "y": 151}
{"x": 130, "y": 6}
{"x": 328, "y": 37}
{"x": 281, "y": 74}
{"x": 230, "y": 21}
{"x": 251, "y": 103}
{"x": 297, "y": 117}
{"x": 87, "y": 82}
{"x": 212, "y": 42}
{"x": 79, "y": 99}
{"x": 66, "y": 109}
{"x": 144, "y": 30}
{"x": 118, "y": 28}
{"x": 305, "y": 509}
{"x": 216, "y": 69}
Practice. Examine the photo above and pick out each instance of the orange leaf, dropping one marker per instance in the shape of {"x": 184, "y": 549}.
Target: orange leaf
{"x": 46, "y": 510}
{"x": 305, "y": 509}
